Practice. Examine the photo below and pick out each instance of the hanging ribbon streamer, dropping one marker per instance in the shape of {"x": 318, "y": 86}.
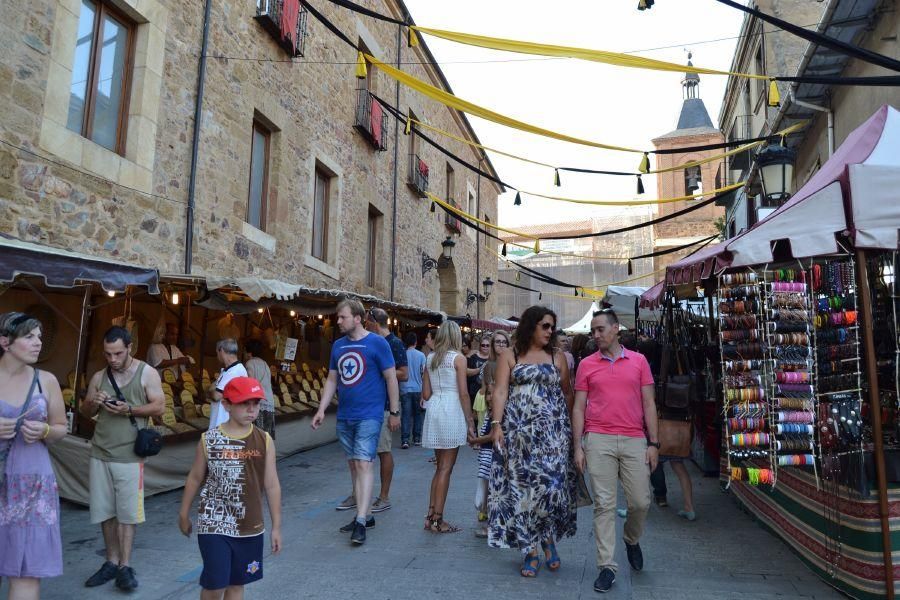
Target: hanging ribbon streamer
{"x": 361, "y": 72}
{"x": 451, "y": 101}
{"x": 602, "y": 56}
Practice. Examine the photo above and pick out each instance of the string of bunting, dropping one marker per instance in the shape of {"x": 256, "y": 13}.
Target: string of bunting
{"x": 741, "y": 147}
{"x": 638, "y": 62}
{"x": 452, "y": 101}
{"x": 518, "y": 201}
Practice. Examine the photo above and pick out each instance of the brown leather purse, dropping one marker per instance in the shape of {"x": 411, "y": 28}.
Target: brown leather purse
{"x": 674, "y": 438}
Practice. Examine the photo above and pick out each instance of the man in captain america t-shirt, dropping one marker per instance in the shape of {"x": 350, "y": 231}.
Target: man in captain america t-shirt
{"x": 362, "y": 371}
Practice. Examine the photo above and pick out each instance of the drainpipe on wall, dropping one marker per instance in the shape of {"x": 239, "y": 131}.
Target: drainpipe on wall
{"x": 195, "y": 146}
{"x": 396, "y": 173}
{"x": 478, "y": 307}
{"x": 828, "y": 113}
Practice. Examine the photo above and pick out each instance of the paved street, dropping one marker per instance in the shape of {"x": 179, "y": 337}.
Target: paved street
{"x": 724, "y": 554}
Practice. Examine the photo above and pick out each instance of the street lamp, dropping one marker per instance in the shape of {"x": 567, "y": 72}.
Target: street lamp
{"x": 488, "y": 285}
{"x": 776, "y": 168}
{"x": 447, "y": 248}
{"x": 429, "y": 263}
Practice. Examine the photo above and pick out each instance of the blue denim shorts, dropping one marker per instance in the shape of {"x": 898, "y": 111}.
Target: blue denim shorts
{"x": 359, "y": 438}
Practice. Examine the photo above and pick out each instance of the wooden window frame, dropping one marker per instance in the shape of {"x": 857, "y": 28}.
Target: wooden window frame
{"x": 326, "y": 208}
{"x": 264, "y": 196}
{"x": 372, "y": 223}
{"x": 450, "y": 183}
{"x": 87, "y": 126}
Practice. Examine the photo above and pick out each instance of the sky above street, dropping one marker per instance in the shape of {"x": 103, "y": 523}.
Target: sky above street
{"x": 615, "y": 105}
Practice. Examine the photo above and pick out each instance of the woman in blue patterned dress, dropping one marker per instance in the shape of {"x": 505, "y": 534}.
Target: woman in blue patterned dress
{"x": 532, "y": 486}
{"x": 32, "y": 415}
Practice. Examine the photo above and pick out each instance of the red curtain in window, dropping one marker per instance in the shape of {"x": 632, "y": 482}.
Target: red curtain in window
{"x": 290, "y": 14}
{"x": 376, "y": 119}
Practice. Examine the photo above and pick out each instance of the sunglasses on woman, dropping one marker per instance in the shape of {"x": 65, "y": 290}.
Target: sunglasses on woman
{"x": 501, "y": 342}
{"x": 548, "y": 326}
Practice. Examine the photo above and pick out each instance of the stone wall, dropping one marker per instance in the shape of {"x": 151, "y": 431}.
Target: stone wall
{"x": 103, "y": 207}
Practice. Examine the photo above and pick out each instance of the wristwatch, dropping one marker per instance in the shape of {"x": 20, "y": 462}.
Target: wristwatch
{"x": 394, "y": 413}
{"x": 654, "y": 444}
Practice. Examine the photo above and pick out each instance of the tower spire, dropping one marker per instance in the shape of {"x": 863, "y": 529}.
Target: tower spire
{"x": 691, "y": 83}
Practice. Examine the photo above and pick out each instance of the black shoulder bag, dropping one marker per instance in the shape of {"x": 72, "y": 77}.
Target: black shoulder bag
{"x": 148, "y": 441}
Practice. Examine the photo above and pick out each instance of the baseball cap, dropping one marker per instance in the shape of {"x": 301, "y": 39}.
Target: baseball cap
{"x": 241, "y": 389}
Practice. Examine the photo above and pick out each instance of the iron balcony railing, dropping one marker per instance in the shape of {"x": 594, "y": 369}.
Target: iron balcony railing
{"x": 285, "y": 20}
{"x": 371, "y": 119}
{"x": 418, "y": 175}
{"x": 451, "y": 222}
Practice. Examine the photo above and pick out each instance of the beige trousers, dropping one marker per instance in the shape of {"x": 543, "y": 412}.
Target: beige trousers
{"x": 613, "y": 458}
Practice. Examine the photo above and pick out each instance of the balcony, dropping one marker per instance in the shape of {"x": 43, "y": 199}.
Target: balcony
{"x": 285, "y": 20}
{"x": 371, "y": 119}
{"x": 451, "y": 222}
{"x": 418, "y": 175}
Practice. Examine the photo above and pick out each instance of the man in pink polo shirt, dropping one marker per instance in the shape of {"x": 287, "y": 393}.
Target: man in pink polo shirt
{"x": 614, "y": 418}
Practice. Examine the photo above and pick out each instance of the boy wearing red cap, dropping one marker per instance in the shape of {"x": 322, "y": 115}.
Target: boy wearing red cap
{"x": 234, "y": 464}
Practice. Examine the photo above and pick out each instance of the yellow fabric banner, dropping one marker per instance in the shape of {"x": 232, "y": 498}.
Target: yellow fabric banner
{"x": 448, "y": 99}
{"x": 601, "y": 56}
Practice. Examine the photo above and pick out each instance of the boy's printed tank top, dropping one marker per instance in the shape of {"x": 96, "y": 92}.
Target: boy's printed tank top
{"x": 231, "y": 498}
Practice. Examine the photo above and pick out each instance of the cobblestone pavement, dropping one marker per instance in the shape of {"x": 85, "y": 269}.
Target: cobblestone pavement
{"x": 722, "y": 555}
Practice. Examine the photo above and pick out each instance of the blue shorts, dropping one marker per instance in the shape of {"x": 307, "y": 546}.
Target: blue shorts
{"x": 359, "y": 438}
{"x": 230, "y": 560}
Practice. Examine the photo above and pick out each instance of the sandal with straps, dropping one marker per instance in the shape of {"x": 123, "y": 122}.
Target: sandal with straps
{"x": 439, "y": 525}
{"x": 429, "y": 518}
{"x": 553, "y": 562}
{"x": 530, "y": 565}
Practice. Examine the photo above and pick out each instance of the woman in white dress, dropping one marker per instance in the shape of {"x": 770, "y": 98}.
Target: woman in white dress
{"x": 448, "y": 420}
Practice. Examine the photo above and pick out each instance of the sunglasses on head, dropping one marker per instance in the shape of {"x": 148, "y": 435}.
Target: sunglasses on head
{"x": 602, "y": 311}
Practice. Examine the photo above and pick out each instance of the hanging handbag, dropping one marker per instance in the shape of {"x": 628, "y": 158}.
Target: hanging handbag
{"x": 678, "y": 392}
{"x": 148, "y": 441}
{"x": 4, "y": 453}
{"x": 674, "y": 438}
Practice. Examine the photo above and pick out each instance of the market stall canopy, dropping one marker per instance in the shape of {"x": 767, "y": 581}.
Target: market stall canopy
{"x": 493, "y": 323}
{"x": 653, "y": 297}
{"x": 65, "y": 269}
{"x": 584, "y": 323}
{"x": 854, "y": 191}
{"x": 699, "y": 265}
{"x": 245, "y": 294}
{"x": 625, "y": 300}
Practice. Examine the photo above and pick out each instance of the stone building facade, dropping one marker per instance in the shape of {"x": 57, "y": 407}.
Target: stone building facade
{"x": 593, "y": 262}
{"x": 745, "y": 111}
{"x": 73, "y": 177}
{"x": 693, "y": 128}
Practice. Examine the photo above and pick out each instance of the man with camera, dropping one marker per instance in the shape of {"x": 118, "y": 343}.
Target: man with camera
{"x": 126, "y": 389}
